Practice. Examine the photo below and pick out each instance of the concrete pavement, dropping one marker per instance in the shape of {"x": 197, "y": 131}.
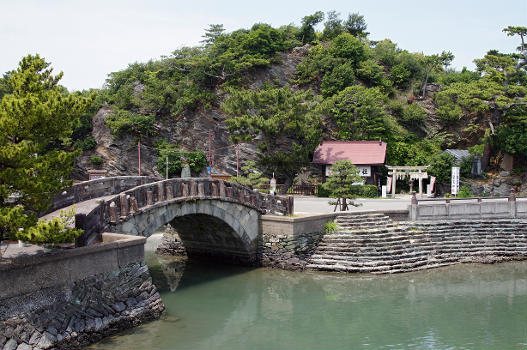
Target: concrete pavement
{"x": 305, "y": 205}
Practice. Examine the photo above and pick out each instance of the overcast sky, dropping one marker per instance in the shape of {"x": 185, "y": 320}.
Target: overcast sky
{"x": 90, "y": 38}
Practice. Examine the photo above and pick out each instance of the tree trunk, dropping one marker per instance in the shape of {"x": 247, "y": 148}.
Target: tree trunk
{"x": 287, "y": 184}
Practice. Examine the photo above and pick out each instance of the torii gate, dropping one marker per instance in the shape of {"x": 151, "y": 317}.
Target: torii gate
{"x": 415, "y": 172}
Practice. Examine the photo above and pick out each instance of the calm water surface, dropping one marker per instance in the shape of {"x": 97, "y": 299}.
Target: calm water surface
{"x": 225, "y": 307}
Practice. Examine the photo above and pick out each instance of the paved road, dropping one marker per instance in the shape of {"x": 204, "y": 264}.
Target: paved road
{"x": 321, "y": 205}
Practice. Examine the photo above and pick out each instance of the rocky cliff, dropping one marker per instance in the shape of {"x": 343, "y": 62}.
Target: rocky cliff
{"x": 190, "y": 131}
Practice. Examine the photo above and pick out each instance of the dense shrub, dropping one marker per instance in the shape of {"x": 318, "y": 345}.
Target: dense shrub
{"x": 361, "y": 191}
{"x": 96, "y": 160}
{"x": 413, "y": 115}
{"x": 86, "y": 144}
{"x": 177, "y": 159}
{"x": 365, "y": 191}
{"x": 123, "y": 122}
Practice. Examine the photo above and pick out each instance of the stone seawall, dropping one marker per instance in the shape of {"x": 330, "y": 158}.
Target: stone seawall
{"x": 78, "y": 305}
{"x": 287, "y": 242}
{"x": 392, "y": 248}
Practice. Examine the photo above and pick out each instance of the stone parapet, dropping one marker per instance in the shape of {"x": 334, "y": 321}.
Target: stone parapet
{"x": 69, "y": 299}
{"x": 141, "y": 199}
{"x": 470, "y": 208}
{"x": 102, "y": 187}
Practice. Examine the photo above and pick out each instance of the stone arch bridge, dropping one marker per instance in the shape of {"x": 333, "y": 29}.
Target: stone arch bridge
{"x": 213, "y": 217}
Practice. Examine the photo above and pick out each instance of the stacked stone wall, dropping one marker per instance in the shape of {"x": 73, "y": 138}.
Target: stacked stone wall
{"x": 288, "y": 252}
{"x": 385, "y": 247}
{"x": 66, "y": 304}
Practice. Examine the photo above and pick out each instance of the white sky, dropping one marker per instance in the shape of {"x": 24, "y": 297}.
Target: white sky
{"x": 90, "y": 38}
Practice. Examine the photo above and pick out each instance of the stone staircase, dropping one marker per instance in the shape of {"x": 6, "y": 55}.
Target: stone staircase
{"x": 373, "y": 243}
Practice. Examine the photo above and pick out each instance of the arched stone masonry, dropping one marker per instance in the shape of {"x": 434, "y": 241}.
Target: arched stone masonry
{"x": 214, "y": 228}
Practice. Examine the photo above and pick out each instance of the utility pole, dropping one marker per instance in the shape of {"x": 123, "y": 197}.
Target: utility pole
{"x": 210, "y": 155}
{"x": 139, "y": 156}
{"x": 237, "y": 159}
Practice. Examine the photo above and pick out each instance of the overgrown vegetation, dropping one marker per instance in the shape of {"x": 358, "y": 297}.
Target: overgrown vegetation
{"x": 331, "y": 227}
{"x": 368, "y": 89}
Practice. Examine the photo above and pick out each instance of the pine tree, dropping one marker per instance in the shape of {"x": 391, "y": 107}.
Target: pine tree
{"x": 37, "y": 119}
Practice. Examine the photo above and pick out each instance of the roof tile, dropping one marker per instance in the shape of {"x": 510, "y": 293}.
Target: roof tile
{"x": 358, "y": 152}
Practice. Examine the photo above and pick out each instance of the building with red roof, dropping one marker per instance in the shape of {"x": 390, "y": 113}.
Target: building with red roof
{"x": 368, "y": 156}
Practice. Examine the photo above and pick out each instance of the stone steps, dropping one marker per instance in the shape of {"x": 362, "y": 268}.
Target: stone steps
{"x": 402, "y": 253}
{"x": 373, "y": 243}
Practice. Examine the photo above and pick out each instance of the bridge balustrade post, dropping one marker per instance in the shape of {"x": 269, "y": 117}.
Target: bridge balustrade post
{"x": 222, "y": 189}
{"x": 184, "y": 189}
{"x": 228, "y": 191}
{"x": 512, "y": 204}
{"x": 214, "y": 189}
{"x": 169, "y": 191}
{"x": 241, "y": 195}
{"x": 133, "y": 205}
{"x": 149, "y": 197}
{"x": 413, "y": 207}
{"x": 192, "y": 185}
{"x": 113, "y": 213}
{"x": 80, "y": 223}
{"x": 201, "y": 189}
{"x": 290, "y": 205}
{"x": 160, "y": 192}
{"x": 123, "y": 200}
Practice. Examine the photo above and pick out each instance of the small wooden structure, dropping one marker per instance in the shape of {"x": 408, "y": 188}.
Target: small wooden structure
{"x": 96, "y": 174}
{"x": 414, "y": 172}
{"x": 225, "y": 177}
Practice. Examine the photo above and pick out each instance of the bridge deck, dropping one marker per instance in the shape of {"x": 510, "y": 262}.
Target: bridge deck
{"x": 79, "y": 208}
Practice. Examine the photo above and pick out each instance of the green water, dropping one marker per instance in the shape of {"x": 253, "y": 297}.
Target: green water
{"x": 224, "y": 307}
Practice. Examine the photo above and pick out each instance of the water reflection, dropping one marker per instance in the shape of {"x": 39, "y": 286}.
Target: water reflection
{"x": 210, "y": 306}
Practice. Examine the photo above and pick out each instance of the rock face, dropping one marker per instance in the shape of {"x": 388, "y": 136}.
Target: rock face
{"x": 189, "y": 131}
{"x": 501, "y": 186}
{"x": 74, "y": 316}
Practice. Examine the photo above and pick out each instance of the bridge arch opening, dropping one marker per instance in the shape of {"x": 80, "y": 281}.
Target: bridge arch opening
{"x": 208, "y": 237}
{"x": 209, "y": 229}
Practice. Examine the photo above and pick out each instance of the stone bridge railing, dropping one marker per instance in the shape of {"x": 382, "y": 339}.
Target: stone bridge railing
{"x": 106, "y": 186}
{"x": 467, "y": 208}
{"x": 119, "y": 207}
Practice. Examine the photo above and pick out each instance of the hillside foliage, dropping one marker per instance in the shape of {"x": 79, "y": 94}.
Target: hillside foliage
{"x": 346, "y": 86}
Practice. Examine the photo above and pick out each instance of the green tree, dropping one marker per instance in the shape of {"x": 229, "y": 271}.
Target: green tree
{"x": 307, "y": 31}
{"x": 432, "y": 63}
{"x": 212, "y": 34}
{"x": 348, "y": 47}
{"x": 252, "y": 177}
{"x": 177, "y": 159}
{"x": 522, "y": 32}
{"x": 441, "y": 167}
{"x": 36, "y": 121}
{"x": 359, "y": 113}
{"x": 332, "y": 27}
{"x": 400, "y": 76}
{"x": 340, "y": 182}
{"x": 5, "y": 88}
{"x": 370, "y": 72}
{"x": 356, "y": 25}
{"x": 276, "y": 119}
